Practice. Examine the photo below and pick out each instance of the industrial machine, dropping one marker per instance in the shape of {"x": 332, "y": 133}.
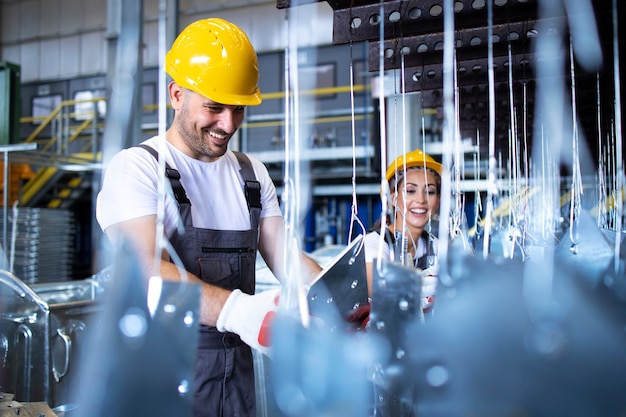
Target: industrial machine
{"x": 43, "y": 329}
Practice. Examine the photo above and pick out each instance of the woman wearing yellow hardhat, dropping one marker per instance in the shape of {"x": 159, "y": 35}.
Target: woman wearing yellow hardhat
{"x": 414, "y": 184}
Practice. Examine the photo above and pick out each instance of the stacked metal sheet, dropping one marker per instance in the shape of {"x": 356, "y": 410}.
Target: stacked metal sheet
{"x": 40, "y": 244}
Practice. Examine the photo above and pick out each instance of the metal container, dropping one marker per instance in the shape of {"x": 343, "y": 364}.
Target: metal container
{"x": 43, "y": 331}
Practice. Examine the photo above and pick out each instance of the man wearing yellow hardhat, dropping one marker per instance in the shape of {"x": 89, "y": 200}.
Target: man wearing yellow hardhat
{"x": 225, "y": 201}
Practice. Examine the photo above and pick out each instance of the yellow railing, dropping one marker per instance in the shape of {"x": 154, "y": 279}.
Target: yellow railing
{"x": 66, "y": 133}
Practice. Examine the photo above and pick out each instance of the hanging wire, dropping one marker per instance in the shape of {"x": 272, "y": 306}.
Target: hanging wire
{"x": 448, "y": 134}
{"x": 384, "y": 185}
{"x": 296, "y": 190}
{"x": 514, "y": 155}
{"x": 526, "y": 196}
{"x": 576, "y": 187}
{"x": 354, "y": 214}
{"x": 14, "y": 232}
{"x": 491, "y": 181}
{"x": 405, "y": 235}
{"x": 618, "y": 141}
{"x": 602, "y": 188}
{"x": 455, "y": 217}
{"x": 163, "y": 187}
{"x": 478, "y": 206}
{"x": 431, "y": 253}
{"x": 160, "y": 241}
{"x": 292, "y": 297}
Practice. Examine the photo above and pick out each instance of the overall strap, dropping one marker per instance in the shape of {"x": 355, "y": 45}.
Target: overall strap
{"x": 252, "y": 188}
{"x": 422, "y": 262}
{"x": 173, "y": 175}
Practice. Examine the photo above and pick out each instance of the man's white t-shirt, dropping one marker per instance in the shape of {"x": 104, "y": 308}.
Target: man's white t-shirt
{"x": 130, "y": 189}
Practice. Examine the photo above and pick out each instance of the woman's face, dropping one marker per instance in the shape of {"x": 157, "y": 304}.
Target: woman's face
{"x": 417, "y": 198}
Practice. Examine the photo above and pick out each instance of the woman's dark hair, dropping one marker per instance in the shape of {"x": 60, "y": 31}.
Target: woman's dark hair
{"x": 399, "y": 177}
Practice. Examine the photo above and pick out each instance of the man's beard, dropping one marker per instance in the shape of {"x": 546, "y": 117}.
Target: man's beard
{"x": 195, "y": 141}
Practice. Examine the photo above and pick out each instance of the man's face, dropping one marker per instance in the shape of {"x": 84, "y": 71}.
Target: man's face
{"x": 205, "y": 127}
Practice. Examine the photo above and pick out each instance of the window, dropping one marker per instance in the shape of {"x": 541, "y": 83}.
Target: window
{"x": 83, "y": 110}
{"x": 148, "y": 98}
{"x": 324, "y": 76}
{"x": 44, "y": 105}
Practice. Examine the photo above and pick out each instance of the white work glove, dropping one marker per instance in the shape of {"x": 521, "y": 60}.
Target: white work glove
{"x": 250, "y": 316}
{"x": 430, "y": 278}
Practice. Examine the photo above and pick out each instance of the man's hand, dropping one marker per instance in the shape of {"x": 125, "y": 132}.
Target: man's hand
{"x": 250, "y": 316}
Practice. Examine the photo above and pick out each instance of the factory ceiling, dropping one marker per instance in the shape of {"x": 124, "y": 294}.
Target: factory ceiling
{"x": 414, "y": 43}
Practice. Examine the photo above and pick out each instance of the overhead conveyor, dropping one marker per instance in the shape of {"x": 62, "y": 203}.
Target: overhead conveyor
{"x": 413, "y": 39}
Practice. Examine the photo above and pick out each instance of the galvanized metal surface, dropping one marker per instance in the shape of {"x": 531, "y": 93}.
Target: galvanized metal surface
{"x": 142, "y": 355}
{"x": 41, "y": 247}
{"x": 42, "y": 330}
{"x": 341, "y": 287}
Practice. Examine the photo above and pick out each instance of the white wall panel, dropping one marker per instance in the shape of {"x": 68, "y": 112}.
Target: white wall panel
{"x": 29, "y": 19}
{"x": 10, "y": 29}
{"x": 29, "y": 60}
{"x": 67, "y": 38}
{"x": 50, "y": 25}
{"x": 151, "y": 44}
{"x": 268, "y": 29}
{"x": 50, "y": 54}
{"x": 151, "y": 8}
{"x": 203, "y": 4}
{"x": 92, "y": 53}
{"x": 265, "y": 24}
{"x": 70, "y": 62}
{"x": 95, "y": 14}
{"x": 72, "y": 18}
{"x": 11, "y": 53}
{"x": 267, "y": 32}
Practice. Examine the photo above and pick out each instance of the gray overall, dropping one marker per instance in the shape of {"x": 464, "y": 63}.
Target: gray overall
{"x": 224, "y": 381}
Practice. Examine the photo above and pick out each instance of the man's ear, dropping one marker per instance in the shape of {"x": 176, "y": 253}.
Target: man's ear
{"x": 177, "y": 94}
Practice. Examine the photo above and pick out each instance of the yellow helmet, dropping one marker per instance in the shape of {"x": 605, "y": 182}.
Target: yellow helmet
{"x": 416, "y": 158}
{"x": 215, "y": 59}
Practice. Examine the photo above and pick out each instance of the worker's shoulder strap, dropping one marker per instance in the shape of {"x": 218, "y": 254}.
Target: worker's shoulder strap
{"x": 173, "y": 175}
{"x": 251, "y": 186}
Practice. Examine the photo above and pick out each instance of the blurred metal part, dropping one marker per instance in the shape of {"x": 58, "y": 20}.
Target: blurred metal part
{"x": 341, "y": 287}
{"x": 394, "y": 314}
{"x": 614, "y": 277}
{"x": 42, "y": 334}
{"x": 142, "y": 358}
{"x": 591, "y": 255}
{"x": 314, "y": 372}
{"x": 484, "y": 353}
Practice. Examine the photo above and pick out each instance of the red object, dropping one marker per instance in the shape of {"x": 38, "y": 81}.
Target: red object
{"x": 265, "y": 332}
{"x": 360, "y": 317}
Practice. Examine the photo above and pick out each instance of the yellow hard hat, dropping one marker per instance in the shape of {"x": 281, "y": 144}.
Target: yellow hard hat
{"x": 416, "y": 158}
{"x": 215, "y": 59}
